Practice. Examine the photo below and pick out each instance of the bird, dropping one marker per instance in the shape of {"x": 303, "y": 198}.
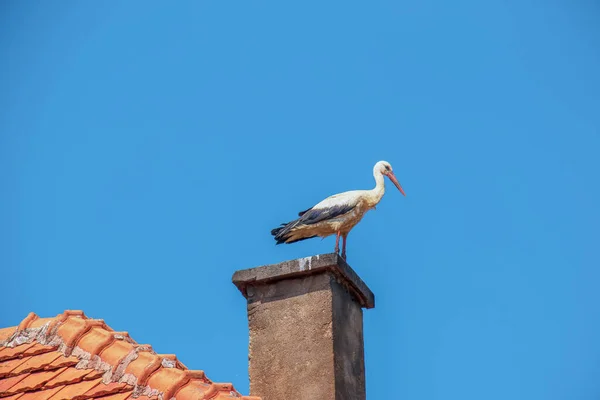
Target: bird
{"x": 337, "y": 214}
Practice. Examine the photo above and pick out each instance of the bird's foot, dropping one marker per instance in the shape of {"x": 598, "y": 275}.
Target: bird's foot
{"x": 344, "y": 255}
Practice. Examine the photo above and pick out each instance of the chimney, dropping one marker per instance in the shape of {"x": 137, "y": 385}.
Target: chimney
{"x": 306, "y": 329}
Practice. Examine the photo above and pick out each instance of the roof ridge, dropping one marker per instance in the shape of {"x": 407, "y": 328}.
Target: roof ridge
{"x": 97, "y": 346}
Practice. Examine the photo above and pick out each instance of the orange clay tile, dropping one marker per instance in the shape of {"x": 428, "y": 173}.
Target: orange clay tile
{"x": 222, "y": 396}
{"x": 6, "y": 333}
{"x": 38, "y": 349}
{"x": 7, "y": 383}
{"x": 74, "y": 328}
{"x": 95, "y": 340}
{"x": 67, "y": 376}
{"x": 193, "y": 391}
{"x": 6, "y": 353}
{"x": 7, "y": 367}
{"x": 33, "y": 371}
{"x": 14, "y": 397}
{"x": 165, "y": 377}
{"x": 63, "y": 361}
{"x": 27, "y": 321}
{"x": 42, "y": 394}
{"x": 173, "y": 357}
{"x": 93, "y": 374}
{"x": 103, "y": 390}
{"x": 143, "y": 366}
{"x": 71, "y": 330}
{"x": 34, "y": 381}
{"x": 73, "y": 313}
{"x": 116, "y": 351}
{"x": 36, "y": 362}
{"x": 24, "y": 350}
{"x": 38, "y": 323}
{"x": 217, "y": 388}
{"x": 119, "y": 396}
{"x": 188, "y": 376}
{"x": 71, "y": 392}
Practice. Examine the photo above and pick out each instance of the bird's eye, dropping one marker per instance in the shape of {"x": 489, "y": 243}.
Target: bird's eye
{"x": 388, "y": 168}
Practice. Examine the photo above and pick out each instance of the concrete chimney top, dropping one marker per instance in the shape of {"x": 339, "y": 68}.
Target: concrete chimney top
{"x": 306, "y": 266}
{"x": 306, "y": 329}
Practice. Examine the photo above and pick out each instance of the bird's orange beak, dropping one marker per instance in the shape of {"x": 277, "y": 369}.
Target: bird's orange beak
{"x": 395, "y": 181}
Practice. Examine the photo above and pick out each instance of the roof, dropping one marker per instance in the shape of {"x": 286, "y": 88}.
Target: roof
{"x": 74, "y": 357}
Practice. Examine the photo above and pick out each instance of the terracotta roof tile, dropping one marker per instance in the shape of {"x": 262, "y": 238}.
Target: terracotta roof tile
{"x": 6, "y": 384}
{"x": 34, "y": 381}
{"x": 116, "y": 352}
{"x": 118, "y": 396}
{"x": 217, "y": 389}
{"x": 63, "y": 361}
{"x": 164, "y": 378}
{"x": 95, "y": 340}
{"x": 34, "y": 363}
{"x": 5, "y": 333}
{"x": 93, "y": 374}
{"x": 69, "y": 375}
{"x": 30, "y": 349}
{"x": 76, "y": 390}
{"x": 194, "y": 390}
{"x": 41, "y": 394}
{"x": 6, "y": 353}
{"x": 73, "y": 357}
{"x": 27, "y": 321}
{"x": 143, "y": 366}
{"x": 7, "y": 366}
{"x": 111, "y": 388}
{"x": 71, "y": 330}
{"x": 14, "y": 397}
{"x": 38, "y": 323}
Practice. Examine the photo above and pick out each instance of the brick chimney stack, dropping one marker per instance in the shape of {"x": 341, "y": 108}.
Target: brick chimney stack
{"x": 306, "y": 329}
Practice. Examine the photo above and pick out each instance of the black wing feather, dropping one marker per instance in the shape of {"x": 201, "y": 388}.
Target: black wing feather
{"x": 301, "y": 213}
{"x": 316, "y": 215}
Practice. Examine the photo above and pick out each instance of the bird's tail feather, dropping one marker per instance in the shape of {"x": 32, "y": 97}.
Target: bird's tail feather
{"x": 277, "y": 230}
{"x": 283, "y": 233}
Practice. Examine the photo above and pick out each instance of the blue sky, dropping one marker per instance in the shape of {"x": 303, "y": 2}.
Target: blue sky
{"x": 147, "y": 149}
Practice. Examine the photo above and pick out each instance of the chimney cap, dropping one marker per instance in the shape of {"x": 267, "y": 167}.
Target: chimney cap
{"x": 316, "y": 264}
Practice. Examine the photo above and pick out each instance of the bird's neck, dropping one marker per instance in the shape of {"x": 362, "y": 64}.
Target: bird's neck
{"x": 377, "y": 192}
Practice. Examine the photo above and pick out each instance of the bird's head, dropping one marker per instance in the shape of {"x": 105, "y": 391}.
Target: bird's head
{"x": 385, "y": 168}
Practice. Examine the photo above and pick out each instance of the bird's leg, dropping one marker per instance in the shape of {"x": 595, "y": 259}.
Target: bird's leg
{"x": 344, "y": 246}
{"x": 337, "y": 243}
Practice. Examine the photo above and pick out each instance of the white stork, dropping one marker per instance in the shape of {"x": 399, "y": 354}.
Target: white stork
{"x": 337, "y": 214}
